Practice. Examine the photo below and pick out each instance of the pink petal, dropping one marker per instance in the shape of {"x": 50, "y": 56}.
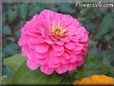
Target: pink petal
{"x": 32, "y": 64}
{"x": 63, "y": 60}
{"x": 41, "y": 61}
{"x": 57, "y": 53}
{"x": 84, "y": 39}
{"x": 72, "y": 31}
{"x": 75, "y": 38}
{"x": 37, "y": 40}
{"x": 44, "y": 32}
{"x": 22, "y": 42}
{"x": 84, "y": 51}
{"x": 24, "y": 51}
{"x": 32, "y": 33}
{"x": 66, "y": 55}
{"x": 58, "y": 47}
{"x": 49, "y": 41}
{"x": 53, "y": 61}
{"x": 53, "y": 38}
{"x": 78, "y": 47}
{"x": 76, "y": 52}
{"x": 66, "y": 39}
{"x": 80, "y": 30}
{"x": 61, "y": 69}
{"x": 80, "y": 61}
{"x": 40, "y": 56}
{"x": 70, "y": 46}
{"x": 73, "y": 59}
{"x": 71, "y": 67}
{"x": 59, "y": 42}
{"x": 42, "y": 48}
{"x": 45, "y": 69}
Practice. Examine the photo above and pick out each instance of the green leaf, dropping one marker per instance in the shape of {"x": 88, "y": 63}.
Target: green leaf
{"x": 65, "y": 7}
{"x": 66, "y": 80}
{"x": 107, "y": 62}
{"x": 106, "y": 25}
{"x": 4, "y": 79}
{"x": 90, "y": 26}
{"x": 10, "y": 49}
{"x": 108, "y": 37}
{"x": 6, "y": 30}
{"x": 11, "y": 14}
{"x": 7, "y": 71}
{"x": 26, "y": 76}
{"x": 14, "y": 62}
{"x": 34, "y": 9}
{"x": 22, "y": 9}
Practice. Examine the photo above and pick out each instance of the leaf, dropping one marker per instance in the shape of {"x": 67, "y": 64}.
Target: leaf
{"x": 65, "y": 7}
{"x": 14, "y": 62}
{"x": 90, "y": 26}
{"x": 26, "y": 76}
{"x": 107, "y": 62}
{"x": 6, "y": 30}
{"x": 22, "y": 9}
{"x": 11, "y": 14}
{"x": 108, "y": 37}
{"x": 34, "y": 9}
{"x": 66, "y": 81}
{"x": 10, "y": 49}
{"x": 106, "y": 25}
{"x": 4, "y": 79}
{"x": 7, "y": 71}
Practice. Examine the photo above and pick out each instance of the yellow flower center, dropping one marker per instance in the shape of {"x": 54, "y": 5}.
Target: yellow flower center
{"x": 58, "y": 30}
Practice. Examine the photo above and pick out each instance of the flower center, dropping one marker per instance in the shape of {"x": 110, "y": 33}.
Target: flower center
{"x": 58, "y": 30}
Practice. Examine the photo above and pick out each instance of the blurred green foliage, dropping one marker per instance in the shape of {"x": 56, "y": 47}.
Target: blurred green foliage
{"x": 100, "y": 56}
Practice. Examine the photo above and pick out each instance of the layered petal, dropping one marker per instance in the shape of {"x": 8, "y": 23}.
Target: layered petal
{"x": 45, "y": 69}
{"x": 61, "y": 69}
{"x": 31, "y": 63}
{"x": 58, "y": 48}
{"x": 42, "y": 48}
{"x": 70, "y": 46}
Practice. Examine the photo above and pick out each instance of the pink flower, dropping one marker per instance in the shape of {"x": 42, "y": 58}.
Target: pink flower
{"x": 53, "y": 42}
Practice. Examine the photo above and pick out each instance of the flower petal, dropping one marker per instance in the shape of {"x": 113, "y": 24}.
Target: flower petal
{"x": 58, "y": 47}
{"x": 49, "y": 41}
{"x": 55, "y": 53}
{"x": 71, "y": 67}
{"x": 32, "y": 64}
{"x": 42, "y": 48}
{"x": 73, "y": 59}
{"x": 59, "y": 42}
{"x": 37, "y": 40}
{"x": 80, "y": 61}
{"x": 70, "y": 46}
{"x": 66, "y": 39}
{"x": 84, "y": 39}
{"x": 75, "y": 38}
{"x": 61, "y": 69}
{"x": 40, "y": 56}
{"x": 78, "y": 47}
{"x": 24, "y": 51}
{"x": 63, "y": 60}
{"x": 66, "y": 55}
{"x": 53, "y": 62}
{"x": 45, "y": 69}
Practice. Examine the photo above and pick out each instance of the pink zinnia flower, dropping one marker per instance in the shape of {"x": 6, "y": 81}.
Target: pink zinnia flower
{"x": 53, "y": 42}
